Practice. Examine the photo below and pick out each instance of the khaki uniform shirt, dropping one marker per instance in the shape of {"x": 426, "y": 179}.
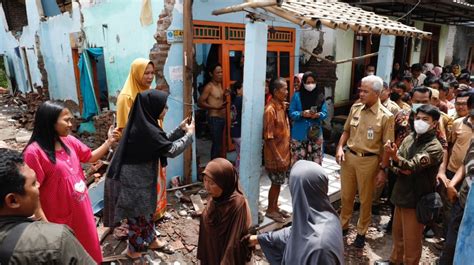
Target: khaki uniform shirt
{"x": 369, "y": 128}
{"x": 446, "y": 125}
{"x": 422, "y": 155}
{"x": 44, "y": 243}
{"x": 391, "y": 106}
{"x": 461, "y": 137}
{"x": 404, "y": 105}
{"x": 276, "y": 128}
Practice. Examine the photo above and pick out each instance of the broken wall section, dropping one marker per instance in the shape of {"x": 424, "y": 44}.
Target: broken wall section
{"x": 115, "y": 26}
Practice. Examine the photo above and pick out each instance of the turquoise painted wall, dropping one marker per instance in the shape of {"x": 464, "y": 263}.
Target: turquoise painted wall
{"x": 115, "y": 26}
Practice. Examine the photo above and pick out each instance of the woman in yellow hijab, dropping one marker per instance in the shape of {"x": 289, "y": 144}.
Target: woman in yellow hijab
{"x": 139, "y": 79}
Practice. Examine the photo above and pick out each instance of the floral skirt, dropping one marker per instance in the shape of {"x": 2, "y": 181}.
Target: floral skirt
{"x": 307, "y": 150}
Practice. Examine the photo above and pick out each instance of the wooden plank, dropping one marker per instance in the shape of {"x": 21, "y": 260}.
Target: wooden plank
{"x": 188, "y": 63}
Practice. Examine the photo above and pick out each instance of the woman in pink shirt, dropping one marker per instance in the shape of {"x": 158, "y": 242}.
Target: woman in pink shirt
{"x": 56, "y": 158}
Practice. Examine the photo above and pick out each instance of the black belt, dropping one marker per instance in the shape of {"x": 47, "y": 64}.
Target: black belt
{"x": 361, "y": 154}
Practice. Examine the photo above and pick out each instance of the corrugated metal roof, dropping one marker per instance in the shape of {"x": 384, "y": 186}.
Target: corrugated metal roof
{"x": 341, "y": 15}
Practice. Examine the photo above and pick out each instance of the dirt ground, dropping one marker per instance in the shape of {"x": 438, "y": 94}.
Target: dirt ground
{"x": 180, "y": 228}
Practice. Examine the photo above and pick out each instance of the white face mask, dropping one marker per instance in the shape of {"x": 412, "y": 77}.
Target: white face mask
{"x": 415, "y": 106}
{"x": 309, "y": 87}
{"x": 421, "y": 126}
{"x": 370, "y": 73}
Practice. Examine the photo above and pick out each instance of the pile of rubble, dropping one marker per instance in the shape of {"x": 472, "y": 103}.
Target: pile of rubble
{"x": 27, "y": 104}
{"x": 102, "y": 122}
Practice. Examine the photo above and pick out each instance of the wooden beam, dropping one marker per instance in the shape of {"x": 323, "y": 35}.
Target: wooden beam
{"x": 188, "y": 62}
{"x": 340, "y": 61}
{"x": 241, "y": 7}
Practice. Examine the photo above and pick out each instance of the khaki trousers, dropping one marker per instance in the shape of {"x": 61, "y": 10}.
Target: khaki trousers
{"x": 407, "y": 235}
{"x": 357, "y": 174}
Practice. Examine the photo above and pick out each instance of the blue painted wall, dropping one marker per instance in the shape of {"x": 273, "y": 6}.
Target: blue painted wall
{"x": 115, "y": 26}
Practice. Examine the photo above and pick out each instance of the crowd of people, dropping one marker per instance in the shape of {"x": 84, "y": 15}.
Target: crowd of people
{"x": 411, "y": 137}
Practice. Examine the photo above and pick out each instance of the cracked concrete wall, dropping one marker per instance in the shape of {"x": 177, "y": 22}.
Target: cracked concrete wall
{"x": 115, "y": 26}
{"x": 160, "y": 50}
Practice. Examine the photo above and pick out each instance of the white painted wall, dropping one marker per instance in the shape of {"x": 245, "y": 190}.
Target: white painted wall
{"x": 344, "y": 50}
{"x": 450, "y": 45}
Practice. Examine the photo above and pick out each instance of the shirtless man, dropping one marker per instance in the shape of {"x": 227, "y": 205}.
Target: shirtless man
{"x": 213, "y": 98}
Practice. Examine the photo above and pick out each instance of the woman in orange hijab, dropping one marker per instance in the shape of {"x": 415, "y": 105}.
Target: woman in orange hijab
{"x": 139, "y": 79}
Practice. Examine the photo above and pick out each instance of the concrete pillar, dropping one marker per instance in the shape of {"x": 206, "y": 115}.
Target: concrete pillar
{"x": 385, "y": 57}
{"x": 252, "y": 112}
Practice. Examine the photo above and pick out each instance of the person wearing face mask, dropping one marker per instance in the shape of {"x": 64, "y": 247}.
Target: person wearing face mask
{"x": 422, "y": 95}
{"x": 396, "y": 94}
{"x": 307, "y": 111}
{"x": 416, "y": 164}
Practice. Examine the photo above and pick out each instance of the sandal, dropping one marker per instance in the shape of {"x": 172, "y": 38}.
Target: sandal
{"x": 277, "y": 217}
{"x": 166, "y": 249}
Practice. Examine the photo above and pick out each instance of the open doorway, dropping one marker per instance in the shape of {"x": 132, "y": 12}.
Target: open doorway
{"x": 91, "y": 81}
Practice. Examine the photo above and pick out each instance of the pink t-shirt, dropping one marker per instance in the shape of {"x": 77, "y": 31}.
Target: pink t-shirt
{"x": 63, "y": 191}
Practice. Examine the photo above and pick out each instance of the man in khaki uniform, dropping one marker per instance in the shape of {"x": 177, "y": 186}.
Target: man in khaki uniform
{"x": 386, "y": 101}
{"x": 368, "y": 126}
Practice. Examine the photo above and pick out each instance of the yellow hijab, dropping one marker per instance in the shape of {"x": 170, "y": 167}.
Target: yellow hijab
{"x": 133, "y": 85}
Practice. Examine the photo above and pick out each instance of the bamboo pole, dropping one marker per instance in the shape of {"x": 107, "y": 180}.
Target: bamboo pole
{"x": 357, "y": 58}
{"x": 340, "y": 61}
{"x": 241, "y": 7}
{"x": 188, "y": 61}
{"x": 317, "y": 56}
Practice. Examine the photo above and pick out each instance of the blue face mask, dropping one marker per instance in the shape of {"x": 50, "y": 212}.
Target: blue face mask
{"x": 415, "y": 106}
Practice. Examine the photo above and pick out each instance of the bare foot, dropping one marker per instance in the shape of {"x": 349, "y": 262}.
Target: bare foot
{"x": 156, "y": 244}
{"x": 276, "y": 216}
{"x": 134, "y": 255}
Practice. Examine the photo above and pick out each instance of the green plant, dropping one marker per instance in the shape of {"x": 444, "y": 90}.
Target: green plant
{"x": 3, "y": 74}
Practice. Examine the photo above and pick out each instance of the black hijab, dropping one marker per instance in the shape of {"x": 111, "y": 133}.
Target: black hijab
{"x": 313, "y": 98}
{"x": 315, "y": 236}
{"x": 143, "y": 139}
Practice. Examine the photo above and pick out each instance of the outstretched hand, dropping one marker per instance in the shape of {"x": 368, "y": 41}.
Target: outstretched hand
{"x": 114, "y": 135}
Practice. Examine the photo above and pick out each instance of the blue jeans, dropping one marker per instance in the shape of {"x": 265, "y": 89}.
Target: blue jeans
{"x": 217, "y": 129}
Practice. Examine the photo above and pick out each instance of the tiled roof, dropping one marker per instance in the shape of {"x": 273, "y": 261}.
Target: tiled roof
{"x": 341, "y": 15}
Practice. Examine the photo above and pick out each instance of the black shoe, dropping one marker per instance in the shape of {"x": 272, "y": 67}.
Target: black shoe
{"x": 345, "y": 232}
{"x": 388, "y": 227}
{"x": 359, "y": 242}
{"x": 376, "y": 209}
{"x": 356, "y": 206}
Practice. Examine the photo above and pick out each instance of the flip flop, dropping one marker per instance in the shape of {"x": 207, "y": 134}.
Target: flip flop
{"x": 277, "y": 217}
{"x": 166, "y": 249}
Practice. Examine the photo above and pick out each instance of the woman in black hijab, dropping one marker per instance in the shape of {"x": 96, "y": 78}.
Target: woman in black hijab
{"x": 308, "y": 110}
{"x": 315, "y": 236}
{"x": 130, "y": 187}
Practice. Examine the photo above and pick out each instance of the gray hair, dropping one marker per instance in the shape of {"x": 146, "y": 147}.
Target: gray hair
{"x": 375, "y": 81}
